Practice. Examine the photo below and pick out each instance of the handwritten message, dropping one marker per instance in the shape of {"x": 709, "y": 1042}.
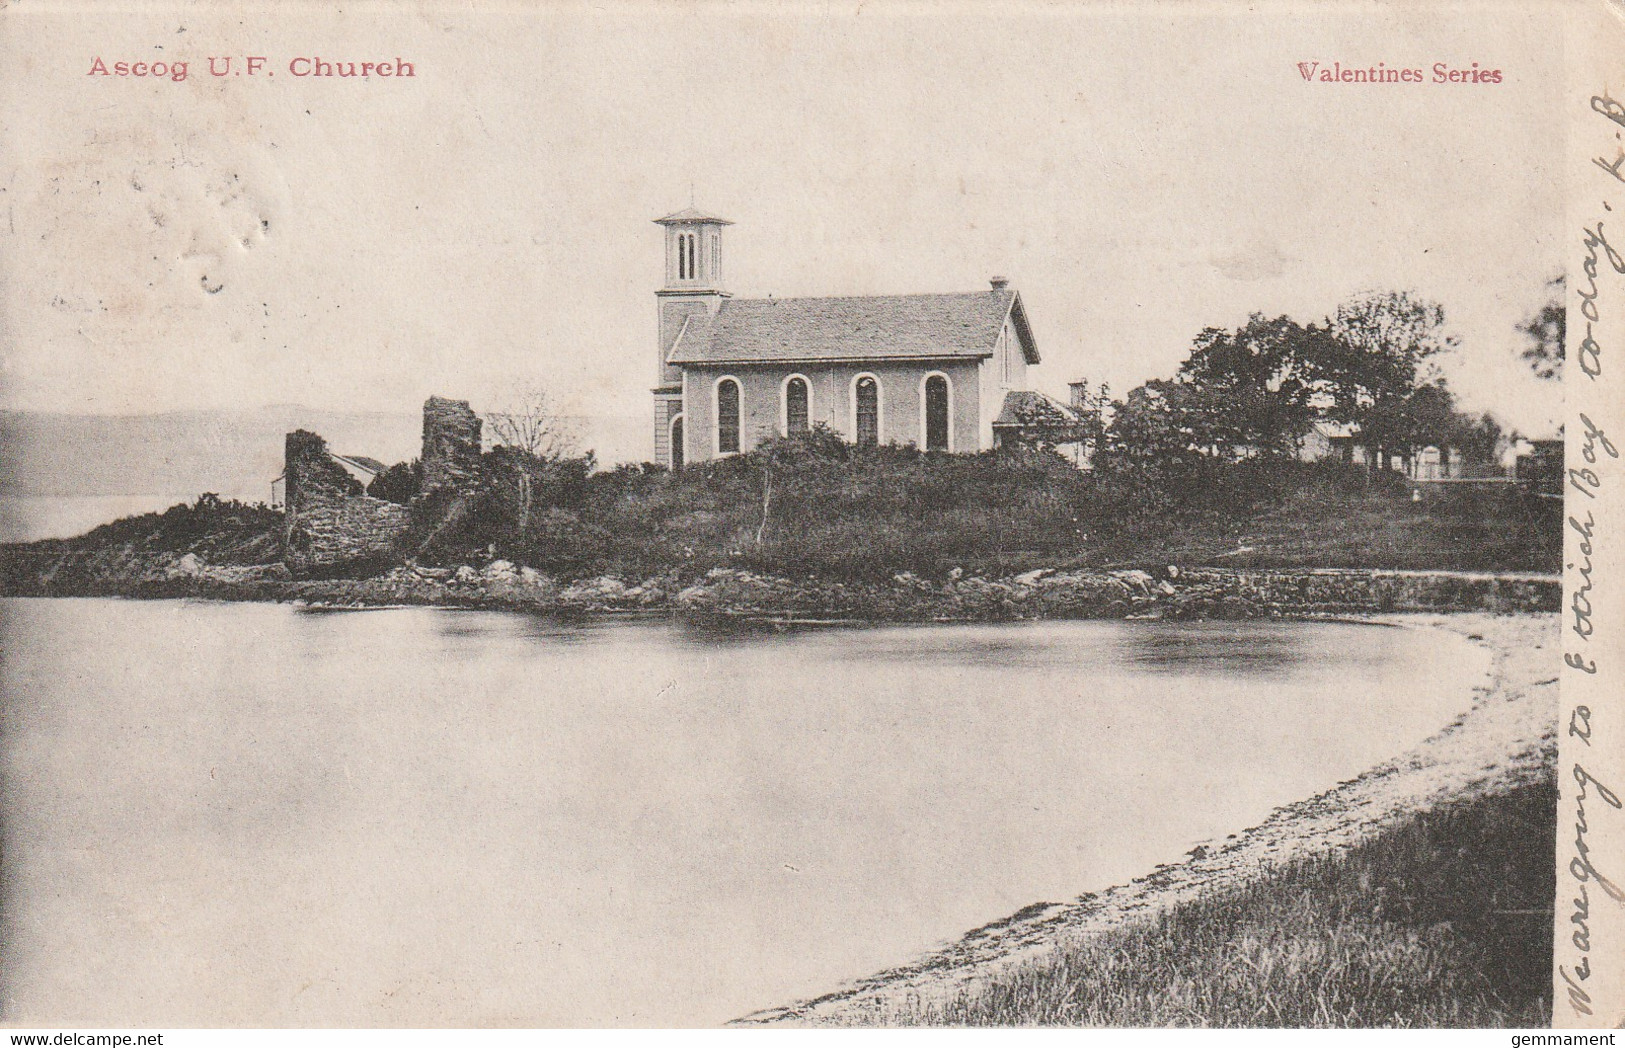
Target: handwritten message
{"x": 1589, "y": 631}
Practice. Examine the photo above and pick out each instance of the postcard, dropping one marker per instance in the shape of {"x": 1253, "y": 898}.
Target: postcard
{"x": 846, "y": 514}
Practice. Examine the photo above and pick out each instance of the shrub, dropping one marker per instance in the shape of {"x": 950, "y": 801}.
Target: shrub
{"x": 399, "y": 483}
{"x": 226, "y": 530}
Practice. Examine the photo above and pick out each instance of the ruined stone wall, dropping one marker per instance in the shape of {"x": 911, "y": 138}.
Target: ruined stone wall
{"x": 334, "y": 528}
{"x": 451, "y": 472}
{"x": 331, "y": 527}
{"x": 451, "y": 446}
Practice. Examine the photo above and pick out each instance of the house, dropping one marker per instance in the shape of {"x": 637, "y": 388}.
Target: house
{"x": 1538, "y": 463}
{"x": 1327, "y": 441}
{"x": 935, "y": 371}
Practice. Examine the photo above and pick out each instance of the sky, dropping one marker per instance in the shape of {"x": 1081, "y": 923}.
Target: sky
{"x": 1138, "y": 172}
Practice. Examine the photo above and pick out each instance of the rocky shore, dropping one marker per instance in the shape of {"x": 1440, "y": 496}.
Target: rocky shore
{"x": 731, "y": 593}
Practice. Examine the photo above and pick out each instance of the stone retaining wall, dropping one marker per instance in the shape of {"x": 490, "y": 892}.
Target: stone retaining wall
{"x": 728, "y": 594}
{"x": 1168, "y": 593}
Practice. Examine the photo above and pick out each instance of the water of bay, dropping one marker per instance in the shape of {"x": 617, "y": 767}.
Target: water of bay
{"x": 239, "y": 814}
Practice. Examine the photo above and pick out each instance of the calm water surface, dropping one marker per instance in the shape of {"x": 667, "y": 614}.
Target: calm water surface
{"x": 222, "y": 814}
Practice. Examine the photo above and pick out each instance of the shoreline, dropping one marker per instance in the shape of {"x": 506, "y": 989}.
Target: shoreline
{"x": 743, "y": 596}
{"x": 1505, "y": 739}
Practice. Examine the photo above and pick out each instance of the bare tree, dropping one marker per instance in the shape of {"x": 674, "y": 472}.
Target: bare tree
{"x": 531, "y": 423}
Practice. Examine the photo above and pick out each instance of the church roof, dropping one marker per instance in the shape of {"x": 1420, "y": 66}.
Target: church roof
{"x": 689, "y": 214}
{"x": 875, "y": 327}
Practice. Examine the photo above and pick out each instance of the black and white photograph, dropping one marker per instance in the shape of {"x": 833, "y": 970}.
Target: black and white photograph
{"x": 686, "y": 514}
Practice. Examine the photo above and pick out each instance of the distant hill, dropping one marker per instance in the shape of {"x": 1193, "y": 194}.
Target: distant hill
{"x": 233, "y": 453}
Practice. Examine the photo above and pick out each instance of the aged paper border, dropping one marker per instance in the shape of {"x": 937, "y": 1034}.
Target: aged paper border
{"x": 1589, "y": 954}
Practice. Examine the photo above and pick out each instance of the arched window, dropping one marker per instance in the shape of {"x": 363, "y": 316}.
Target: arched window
{"x": 934, "y": 412}
{"x": 727, "y": 416}
{"x": 866, "y": 410}
{"x": 677, "y": 442}
{"x": 797, "y": 405}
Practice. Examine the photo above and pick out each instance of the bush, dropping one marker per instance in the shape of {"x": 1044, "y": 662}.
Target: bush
{"x": 813, "y": 504}
{"x": 515, "y": 491}
{"x": 399, "y": 483}
{"x": 226, "y": 530}
{"x": 560, "y": 542}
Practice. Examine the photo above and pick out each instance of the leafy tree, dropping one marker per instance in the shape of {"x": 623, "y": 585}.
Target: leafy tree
{"x": 1258, "y": 382}
{"x": 1478, "y": 438}
{"x": 1384, "y": 348}
{"x": 1046, "y": 426}
{"x": 1544, "y": 333}
{"x": 1163, "y": 435}
{"x": 784, "y": 460}
{"x": 516, "y": 484}
{"x": 1248, "y": 396}
{"x": 1398, "y": 334}
{"x": 1415, "y": 419}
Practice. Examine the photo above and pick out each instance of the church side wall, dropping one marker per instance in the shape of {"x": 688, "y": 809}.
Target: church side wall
{"x": 666, "y": 408}
{"x": 992, "y": 394}
{"x": 999, "y": 378}
{"x": 831, "y": 386}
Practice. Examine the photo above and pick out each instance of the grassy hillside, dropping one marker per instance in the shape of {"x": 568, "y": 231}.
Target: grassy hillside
{"x": 800, "y": 508}
{"x": 1443, "y": 920}
{"x": 1341, "y": 522}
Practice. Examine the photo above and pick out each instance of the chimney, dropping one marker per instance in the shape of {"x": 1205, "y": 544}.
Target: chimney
{"x": 999, "y": 283}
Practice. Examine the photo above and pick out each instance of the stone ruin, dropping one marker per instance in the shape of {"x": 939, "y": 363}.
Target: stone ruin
{"x": 451, "y": 447}
{"x": 333, "y": 527}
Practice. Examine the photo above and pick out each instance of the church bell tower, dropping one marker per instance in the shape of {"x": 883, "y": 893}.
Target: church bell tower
{"x": 692, "y": 292}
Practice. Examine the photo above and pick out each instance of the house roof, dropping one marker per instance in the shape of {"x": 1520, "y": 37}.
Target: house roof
{"x": 1024, "y": 407}
{"x": 1335, "y": 430}
{"x": 874, "y": 327}
{"x": 689, "y": 214}
{"x": 361, "y": 462}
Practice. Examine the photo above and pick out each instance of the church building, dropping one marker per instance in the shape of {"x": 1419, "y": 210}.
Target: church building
{"x": 942, "y": 372}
